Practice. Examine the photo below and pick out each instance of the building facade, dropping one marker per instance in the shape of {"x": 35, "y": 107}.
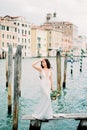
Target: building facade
{"x": 15, "y": 31}
{"x": 69, "y": 31}
{"x": 8, "y": 34}
{"x": 38, "y": 41}
{"x": 24, "y": 35}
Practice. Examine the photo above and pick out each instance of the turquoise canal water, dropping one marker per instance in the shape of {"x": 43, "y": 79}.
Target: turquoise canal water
{"x": 73, "y": 99}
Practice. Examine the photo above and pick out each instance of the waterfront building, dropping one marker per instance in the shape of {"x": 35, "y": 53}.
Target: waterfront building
{"x": 38, "y": 41}
{"x": 24, "y": 35}
{"x": 54, "y": 40}
{"x": 68, "y": 30}
{"x": 8, "y": 35}
{"x": 43, "y": 40}
{"x": 15, "y": 31}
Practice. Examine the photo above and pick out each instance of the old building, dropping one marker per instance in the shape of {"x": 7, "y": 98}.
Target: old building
{"x": 8, "y": 34}
{"x": 38, "y": 41}
{"x": 69, "y": 32}
{"x": 14, "y": 31}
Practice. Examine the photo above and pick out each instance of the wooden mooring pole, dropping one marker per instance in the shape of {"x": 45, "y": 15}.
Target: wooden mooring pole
{"x": 6, "y": 69}
{"x": 20, "y": 61}
{"x": 65, "y": 70}
{"x": 35, "y": 125}
{"x": 82, "y": 125}
{"x": 10, "y": 64}
{"x": 58, "y": 62}
{"x": 16, "y": 86}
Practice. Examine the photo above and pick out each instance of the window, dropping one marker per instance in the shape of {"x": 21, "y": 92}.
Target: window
{"x": 25, "y": 40}
{"x": 25, "y": 25}
{"x": 25, "y": 31}
{"x": 2, "y": 35}
{"x": 22, "y": 40}
{"x": 7, "y": 28}
{"x": 13, "y": 37}
{"x": 18, "y": 39}
{"x": 38, "y": 38}
{"x": 22, "y": 25}
{"x": 3, "y": 27}
{"x": 15, "y": 29}
{"x": 2, "y": 44}
{"x": 18, "y": 30}
{"x": 29, "y": 40}
{"x": 29, "y": 32}
{"x": 22, "y": 31}
{"x": 14, "y": 23}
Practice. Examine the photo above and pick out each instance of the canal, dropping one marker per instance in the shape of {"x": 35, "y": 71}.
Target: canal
{"x": 73, "y": 98}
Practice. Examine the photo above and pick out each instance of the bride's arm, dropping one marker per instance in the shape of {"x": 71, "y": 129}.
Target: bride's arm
{"x": 34, "y": 65}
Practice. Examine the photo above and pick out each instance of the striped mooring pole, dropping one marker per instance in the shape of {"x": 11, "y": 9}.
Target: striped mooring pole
{"x": 71, "y": 56}
{"x": 81, "y": 58}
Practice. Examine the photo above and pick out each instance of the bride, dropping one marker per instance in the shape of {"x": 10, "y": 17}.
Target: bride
{"x": 44, "y": 108}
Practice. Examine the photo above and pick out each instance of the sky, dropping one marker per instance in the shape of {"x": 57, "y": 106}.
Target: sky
{"x": 35, "y": 11}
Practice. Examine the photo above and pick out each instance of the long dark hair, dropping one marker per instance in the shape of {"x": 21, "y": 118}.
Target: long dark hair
{"x": 48, "y": 64}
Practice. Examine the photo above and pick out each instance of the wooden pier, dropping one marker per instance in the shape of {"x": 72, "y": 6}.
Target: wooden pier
{"x": 35, "y": 124}
{"x": 77, "y": 116}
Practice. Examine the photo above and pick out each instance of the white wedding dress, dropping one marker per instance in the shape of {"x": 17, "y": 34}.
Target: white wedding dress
{"x": 44, "y": 108}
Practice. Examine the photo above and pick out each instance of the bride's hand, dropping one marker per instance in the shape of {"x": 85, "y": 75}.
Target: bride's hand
{"x": 52, "y": 89}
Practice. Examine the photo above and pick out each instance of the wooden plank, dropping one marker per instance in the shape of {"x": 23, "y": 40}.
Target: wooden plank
{"x": 60, "y": 116}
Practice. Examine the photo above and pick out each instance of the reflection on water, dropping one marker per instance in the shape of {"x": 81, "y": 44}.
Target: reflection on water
{"x": 73, "y": 98}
